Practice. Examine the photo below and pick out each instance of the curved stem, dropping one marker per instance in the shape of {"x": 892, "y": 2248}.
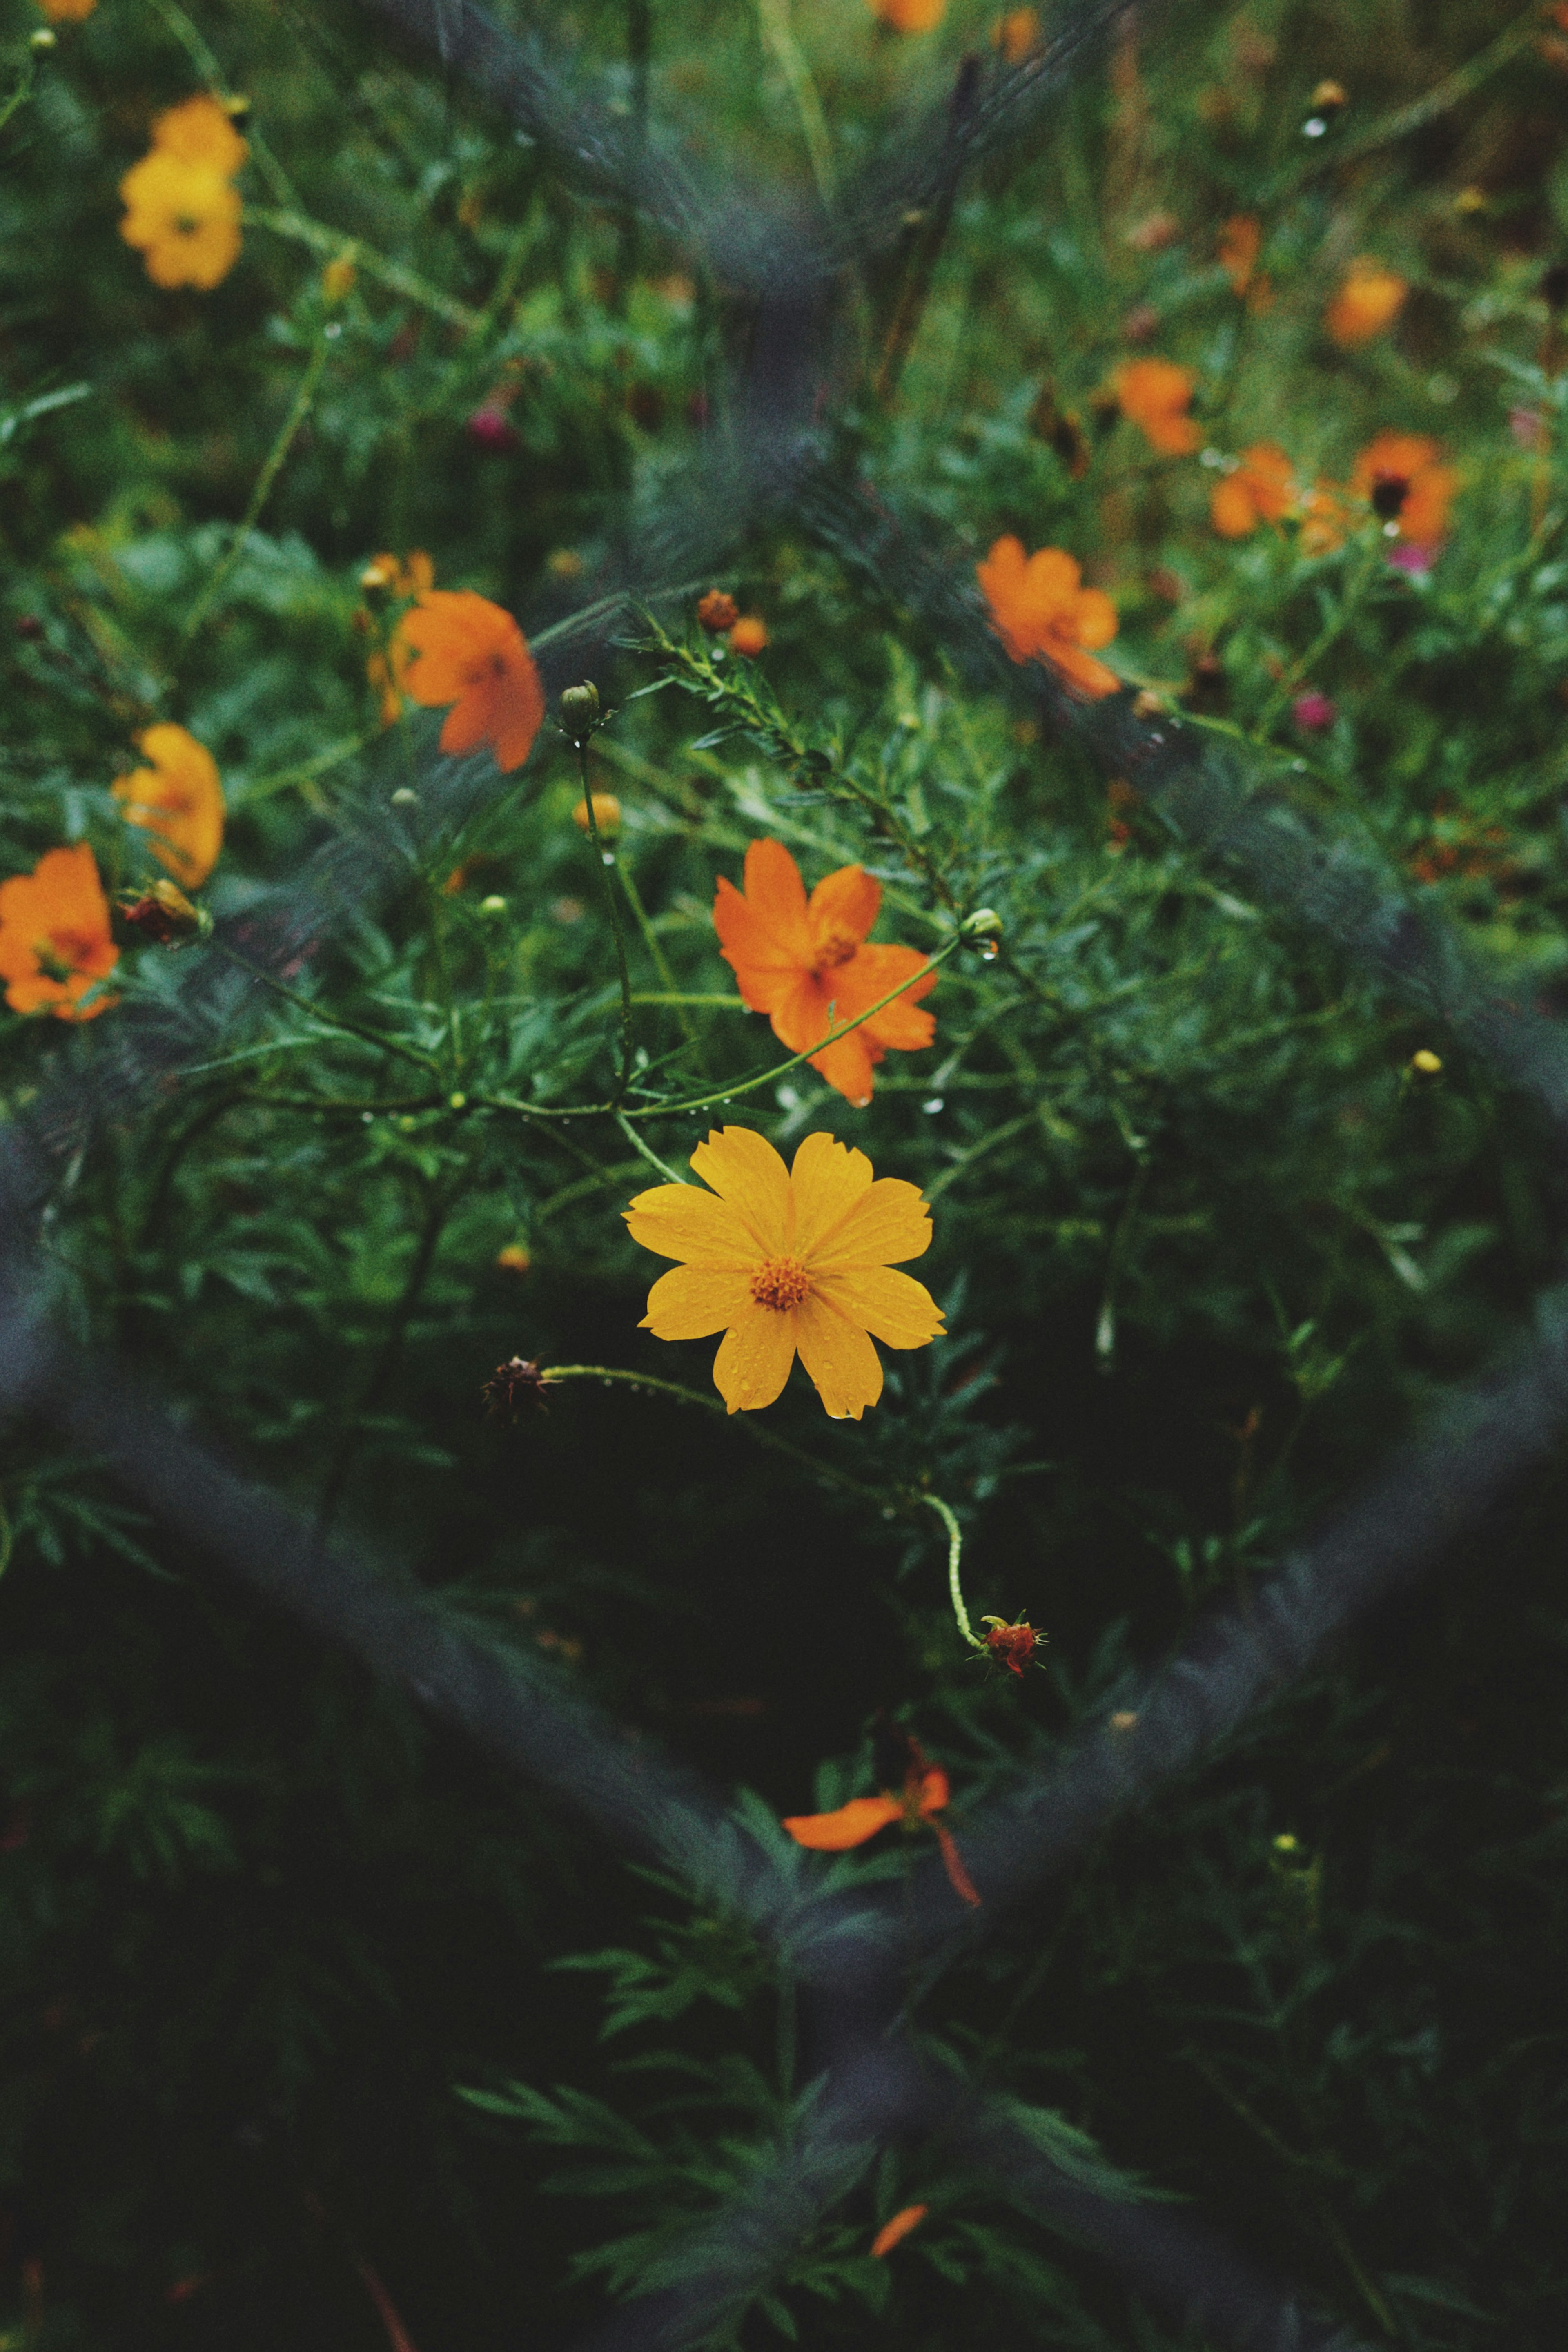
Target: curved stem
{"x": 606, "y": 859}
{"x": 548, "y": 1372}
{"x": 955, "y": 1554}
{"x": 303, "y": 401}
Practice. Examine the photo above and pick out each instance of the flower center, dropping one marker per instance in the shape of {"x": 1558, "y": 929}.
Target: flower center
{"x": 1389, "y": 493}
{"x": 836, "y": 948}
{"x": 62, "y": 954}
{"x": 779, "y": 1282}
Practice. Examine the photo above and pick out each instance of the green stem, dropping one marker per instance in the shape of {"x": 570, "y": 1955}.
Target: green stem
{"x": 606, "y": 862}
{"x": 773, "y": 15}
{"x": 652, "y": 1157}
{"x": 335, "y": 1021}
{"x": 715, "y": 1404}
{"x": 20, "y": 95}
{"x": 303, "y": 400}
{"x": 1357, "y": 587}
{"x": 390, "y": 274}
{"x": 955, "y": 1554}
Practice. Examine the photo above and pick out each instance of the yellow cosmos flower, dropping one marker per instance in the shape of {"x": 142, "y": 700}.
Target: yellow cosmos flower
{"x": 200, "y": 132}
{"x": 184, "y": 217}
{"x": 786, "y": 1262}
{"x": 179, "y": 800}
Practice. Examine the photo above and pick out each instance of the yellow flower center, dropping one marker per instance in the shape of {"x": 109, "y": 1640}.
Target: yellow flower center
{"x": 779, "y": 1282}
{"x": 834, "y": 948}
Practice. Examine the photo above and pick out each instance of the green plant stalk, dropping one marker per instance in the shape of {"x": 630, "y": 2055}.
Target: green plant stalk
{"x": 773, "y": 17}
{"x": 955, "y": 1556}
{"x": 27, "y": 82}
{"x": 605, "y": 861}
{"x": 304, "y": 400}
{"x": 211, "y": 73}
{"x": 338, "y": 247}
{"x": 715, "y": 1403}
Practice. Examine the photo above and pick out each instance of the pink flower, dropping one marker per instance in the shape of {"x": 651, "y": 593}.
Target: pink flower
{"x": 1313, "y": 710}
{"x": 492, "y": 428}
{"x": 1410, "y": 555}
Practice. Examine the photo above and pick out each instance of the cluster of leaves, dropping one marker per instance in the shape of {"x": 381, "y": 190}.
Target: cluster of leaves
{"x": 1206, "y": 1234}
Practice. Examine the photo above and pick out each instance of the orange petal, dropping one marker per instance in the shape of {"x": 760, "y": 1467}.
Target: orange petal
{"x": 847, "y": 1066}
{"x": 845, "y": 903}
{"x": 681, "y": 1221}
{"x": 892, "y": 1307}
{"x": 745, "y": 1170}
{"x": 953, "y": 1862}
{"x": 692, "y": 1302}
{"x": 866, "y": 981}
{"x": 838, "y": 1357}
{"x": 1093, "y": 618}
{"x": 893, "y": 2233}
{"x": 777, "y": 895}
{"x": 851, "y": 1825}
{"x": 754, "y": 1357}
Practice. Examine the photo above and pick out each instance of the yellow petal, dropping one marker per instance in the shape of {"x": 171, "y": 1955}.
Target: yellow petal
{"x": 745, "y": 1170}
{"x": 892, "y": 1307}
{"x": 827, "y": 1178}
{"x": 692, "y": 1302}
{"x": 887, "y": 1223}
{"x": 679, "y": 1221}
{"x": 754, "y": 1357}
{"x": 842, "y": 1360}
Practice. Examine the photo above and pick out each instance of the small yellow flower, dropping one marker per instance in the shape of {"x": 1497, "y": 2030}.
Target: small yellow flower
{"x": 787, "y": 1261}
{"x": 179, "y": 800}
{"x": 200, "y": 132}
{"x": 184, "y": 218}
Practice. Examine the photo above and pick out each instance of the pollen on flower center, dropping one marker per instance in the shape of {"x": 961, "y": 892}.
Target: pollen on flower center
{"x": 781, "y": 1282}
{"x": 837, "y": 947}
{"x": 1389, "y": 494}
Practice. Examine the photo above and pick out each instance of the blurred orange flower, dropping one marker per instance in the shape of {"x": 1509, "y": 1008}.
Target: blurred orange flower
{"x": 1326, "y": 518}
{"x": 1018, "y": 35}
{"x": 1153, "y": 393}
{"x": 1240, "y": 242}
{"x": 200, "y": 132}
{"x": 893, "y": 2233}
{"x": 806, "y": 963}
{"x": 409, "y": 576}
{"x": 182, "y": 212}
{"x": 924, "y": 1795}
{"x": 1401, "y": 475}
{"x": 471, "y": 654}
{"x": 909, "y": 15}
{"x": 54, "y": 940}
{"x": 786, "y": 1261}
{"x": 717, "y": 611}
{"x": 1370, "y": 300}
{"x": 179, "y": 800}
{"x": 1038, "y": 605}
{"x": 749, "y": 635}
{"x": 1262, "y": 489}
{"x": 66, "y": 11}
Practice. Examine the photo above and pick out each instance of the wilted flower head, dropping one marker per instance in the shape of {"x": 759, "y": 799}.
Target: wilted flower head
{"x": 717, "y": 611}
{"x": 924, "y": 1795}
{"x": 786, "y": 1261}
{"x": 806, "y": 964}
{"x": 514, "y": 1383}
{"x": 54, "y": 941}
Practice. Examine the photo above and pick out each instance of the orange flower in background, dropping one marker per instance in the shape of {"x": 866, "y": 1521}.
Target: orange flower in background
{"x": 1018, "y": 35}
{"x": 66, "y": 11}
{"x": 1038, "y": 605}
{"x": 717, "y": 611}
{"x": 806, "y": 963}
{"x": 54, "y": 941}
{"x": 472, "y": 654}
{"x": 401, "y": 575}
{"x": 893, "y": 2233}
{"x": 1262, "y": 489}
{"x": 1327, "y": 520}
{"x": 182, "y": 212}
{"x": 1155, "y": 394}
{"x": 412, "y": 574}
{"x": 909, "y": 15}
{"x": 1239, "y": 244}
{"x": 748, "y": 636}
{"x": 924, "y": 1795}
{"x": 179, "y": 800}
{"x": 1370, "y": 300}
{"x": 785, "y": 1262}
{"x": 1403, "y": 477}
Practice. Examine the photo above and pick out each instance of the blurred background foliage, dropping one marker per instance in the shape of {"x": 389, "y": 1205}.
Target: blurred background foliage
{"x": 1208, "y": 1237}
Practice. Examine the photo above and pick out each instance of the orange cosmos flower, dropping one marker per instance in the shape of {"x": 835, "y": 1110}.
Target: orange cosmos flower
{"x": 1262, "y": 489}
{"x": 909, "y": 15}
{"x": 1240, "y": 242}
{"x": 1153, "y": 393}
{"x": 1018, "y": 35}
{"x": 805, "y": 963}
{"x": 66, "y": 11}
{"x": 749, "y": 635}
{"x": 54, "y": 936}
{"x": 1038, "y": 605}
{"x": 179, "y": 800}
{"x": 924, "y": 1795}
{"x": 1401, "y": 474}
{"x": 1370, "y": 300}
{"x": 785, "y": 1262}
{"x": 1327, "y": 520}
{"x": 473, "y": 654}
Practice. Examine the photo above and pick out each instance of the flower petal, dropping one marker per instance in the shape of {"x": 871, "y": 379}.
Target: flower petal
{"x": 692, "y": 1302}
{"x": 1093, "y": 621}
{"x": 683, "y": 1221}
{"x": 888, "y": 1224}
{"x": 892, "y": 1307}
{"x": 776, "y": 901}
{"x": 754, "y": 1357}
{"x": 844, "y": 904}
{"x": 838, "y": 1357}
{"x": 745, "y": 1170}
{"x": 851, "y": 1824}
{"x": 827, "y": 1178}
{"x": 869, "y": 977}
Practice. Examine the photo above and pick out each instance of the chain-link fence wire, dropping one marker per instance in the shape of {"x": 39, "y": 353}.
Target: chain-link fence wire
{"x": 851, "y": 1956}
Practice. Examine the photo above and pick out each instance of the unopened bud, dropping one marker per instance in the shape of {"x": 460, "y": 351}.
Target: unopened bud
{"x": 579, "y": 712}
{"x": 42, "y": 40}
{"x": 163, "y": 914}
{"x": 1427, "y": 1062}
{"x": 405, "y": 797}
{"x": 492, "y": 905}
{"x": 985, "y": 923}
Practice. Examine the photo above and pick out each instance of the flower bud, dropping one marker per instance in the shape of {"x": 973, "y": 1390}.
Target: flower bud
{"x": 717, "y": 611}
{"x": 163, "y": 914}
{"x": 1427, "y": 1062}
{"x": 42, "y": 40}
{"x": 405, "y": 797}
{"x": 579, "y": 712}
{"x": 985, "y": 923}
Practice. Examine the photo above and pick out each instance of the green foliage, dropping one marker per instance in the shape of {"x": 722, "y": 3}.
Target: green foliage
{"x": 297, "y": 1993}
